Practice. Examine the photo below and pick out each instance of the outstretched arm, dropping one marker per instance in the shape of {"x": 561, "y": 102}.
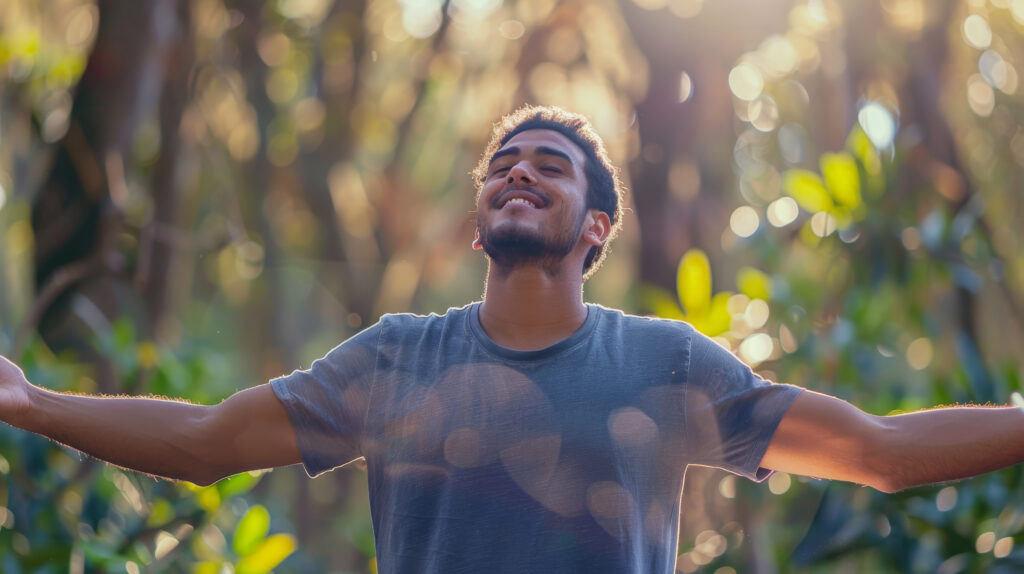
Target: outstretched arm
{"x": 826, "y": 437}
{"x": 202, "y": 444}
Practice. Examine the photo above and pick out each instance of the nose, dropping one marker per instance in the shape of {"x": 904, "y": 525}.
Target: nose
{"x": 520, "y": 172}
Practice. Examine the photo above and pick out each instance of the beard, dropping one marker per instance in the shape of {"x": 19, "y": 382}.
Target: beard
{"x": 514, "y": 247}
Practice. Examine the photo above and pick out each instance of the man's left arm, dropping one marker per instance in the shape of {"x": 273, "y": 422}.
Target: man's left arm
{"x": 826, "y": 437}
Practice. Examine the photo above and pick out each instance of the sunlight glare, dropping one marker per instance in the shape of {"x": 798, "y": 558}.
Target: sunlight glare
{"x": 756, "y": 348}
{"x": 744, "y": 221}
{"x": 779, "y": 483}
{"x": 997, "y": 71}
{"x": 1017, "y": 9}
{"x": 685, "y": 87}
{"x": 651, "y": 4}
{"x": 165, "y": 542}
{"x": 985, "y": 542}
{"x": 685, "y": 8}
{"x": 946, "y": 499}
{"x": 878, "y": 124}
{"x": 1003, "y": 547}
{"x": 823, "y": 224}
{"x": 764, "y": 113}
{"x": 919, "y": 354}
{"x": 783, "y": 211}
{"x": 977, "y": 32}
{"x": 511, "y": 29}
{"x": 727, "y": 487}
{"x": 980, "y": 96}
{"x": 3, "y": 196}
{"x": 421, "y": 18}
{"x": 757, "y": 313}
{"x": 479, "y": 9}
{"x": 746, "y": 82}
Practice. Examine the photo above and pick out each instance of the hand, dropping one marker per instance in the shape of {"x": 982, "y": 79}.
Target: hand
{"x": 15, "y": 399}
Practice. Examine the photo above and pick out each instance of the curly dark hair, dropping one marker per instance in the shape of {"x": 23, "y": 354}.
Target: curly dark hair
{"x": 604, "y": 189}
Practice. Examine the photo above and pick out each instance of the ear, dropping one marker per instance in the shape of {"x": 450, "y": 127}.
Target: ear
{"x": 477, "y": 245}
{"x": 596, "y": 228}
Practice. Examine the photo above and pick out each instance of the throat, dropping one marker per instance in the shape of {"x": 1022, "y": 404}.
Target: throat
{"x": 529, "y": 324}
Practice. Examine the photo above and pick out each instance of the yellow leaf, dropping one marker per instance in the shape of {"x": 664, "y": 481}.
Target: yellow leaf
{"x": 719, "y": 319}
{"x": 269, "y": 554}
{"x": 808, "y": 190}
{"x": 842, "y": 178}
{"x": 207, "y": 568}
{"x": 716, "y": 319}
{"x": 754, "y": 283}
{"x": 693, "y": 282}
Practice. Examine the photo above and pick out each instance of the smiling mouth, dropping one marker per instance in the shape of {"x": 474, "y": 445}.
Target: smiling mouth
{"x": 524, "y": 197}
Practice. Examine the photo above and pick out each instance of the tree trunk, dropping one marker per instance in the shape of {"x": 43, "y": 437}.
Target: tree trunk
{"x": 76, "y": 215}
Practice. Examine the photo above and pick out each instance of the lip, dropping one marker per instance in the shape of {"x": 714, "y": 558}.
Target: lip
{"x": 536, "y": 199}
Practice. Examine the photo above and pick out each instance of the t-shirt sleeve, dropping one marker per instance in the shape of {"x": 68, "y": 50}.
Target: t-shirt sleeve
{"x": 731, "y": 413}
{"x": 327, "y": 403}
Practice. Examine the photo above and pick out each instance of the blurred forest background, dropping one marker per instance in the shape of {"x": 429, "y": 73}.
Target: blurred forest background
{"x": 199, "y": 195}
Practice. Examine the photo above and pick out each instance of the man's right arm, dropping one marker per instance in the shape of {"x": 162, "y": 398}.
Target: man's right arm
{"x": 179, "y": 440}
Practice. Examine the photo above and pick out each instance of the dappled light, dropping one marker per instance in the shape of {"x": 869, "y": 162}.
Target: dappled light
{"x": 198, "y": 196}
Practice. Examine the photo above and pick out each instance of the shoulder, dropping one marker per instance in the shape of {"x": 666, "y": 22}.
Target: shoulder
{"x": 405, "y": 325}
{"x": 637, "y": 325}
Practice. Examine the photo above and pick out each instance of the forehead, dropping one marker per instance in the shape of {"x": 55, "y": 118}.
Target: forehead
{"x": 529, "y": 140}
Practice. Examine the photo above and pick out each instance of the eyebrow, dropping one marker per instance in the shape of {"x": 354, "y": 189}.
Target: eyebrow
{"x": 541, "y": 150}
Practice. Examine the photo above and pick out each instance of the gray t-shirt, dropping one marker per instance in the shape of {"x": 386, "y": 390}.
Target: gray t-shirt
{"x": 566, "y": 459}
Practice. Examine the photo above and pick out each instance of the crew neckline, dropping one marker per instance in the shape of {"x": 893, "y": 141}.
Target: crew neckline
{"x": 473, "y": 322}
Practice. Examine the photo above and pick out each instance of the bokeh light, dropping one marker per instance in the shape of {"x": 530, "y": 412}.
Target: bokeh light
{"x": 756, "y": 348}
{"x": 746, "y": 82}
{"x": 878, "y": 124}
{"x": 919, "y": 354}
{"x": 980, "y": 96}
{"x": 685, "y": 87}
{"x": 977, "y": 32}
{"x": 782, "y": 211}
{"x": 744, "y": 221}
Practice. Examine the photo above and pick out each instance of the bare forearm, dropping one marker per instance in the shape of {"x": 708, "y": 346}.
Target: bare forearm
{"x": 945, "y": 444}
{"x": 155, "y": 436}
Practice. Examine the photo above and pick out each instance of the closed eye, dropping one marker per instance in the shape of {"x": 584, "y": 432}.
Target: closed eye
{"x": 552, "y": 168}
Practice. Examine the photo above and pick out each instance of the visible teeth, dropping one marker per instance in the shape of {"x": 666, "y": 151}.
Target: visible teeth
{"x": 519, "y": 200}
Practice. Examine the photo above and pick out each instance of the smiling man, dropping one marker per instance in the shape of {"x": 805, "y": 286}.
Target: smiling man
{"x": 530, "y": 432}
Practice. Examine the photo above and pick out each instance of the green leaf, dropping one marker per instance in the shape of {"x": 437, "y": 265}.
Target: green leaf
{"x": 808, "y": 190}
{"x": 163, "y": 512}
{"x": 237, "y": 484}
{"x": 842, "y": 178}
{"x": 251, "y": 530}
{"x": 754, "y": 284}
{"x": 693, "y": 282}
{"x": 267, "y": 555}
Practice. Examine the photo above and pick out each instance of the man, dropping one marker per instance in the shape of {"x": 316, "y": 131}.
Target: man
{"x": 530, "y": 432}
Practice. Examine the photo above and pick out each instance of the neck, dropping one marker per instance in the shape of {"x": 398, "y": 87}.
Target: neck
{"x": 529, "y": 308}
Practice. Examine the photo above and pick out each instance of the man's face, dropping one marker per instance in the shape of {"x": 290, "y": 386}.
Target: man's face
{"x": 532, "y": 206}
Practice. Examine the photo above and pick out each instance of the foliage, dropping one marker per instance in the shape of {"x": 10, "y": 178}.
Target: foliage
{"x": 827, "y": 187}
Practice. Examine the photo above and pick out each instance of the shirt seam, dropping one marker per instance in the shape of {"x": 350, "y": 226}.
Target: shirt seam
{"x": 373, "y": 388}
{"x": 685, "y": 394}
